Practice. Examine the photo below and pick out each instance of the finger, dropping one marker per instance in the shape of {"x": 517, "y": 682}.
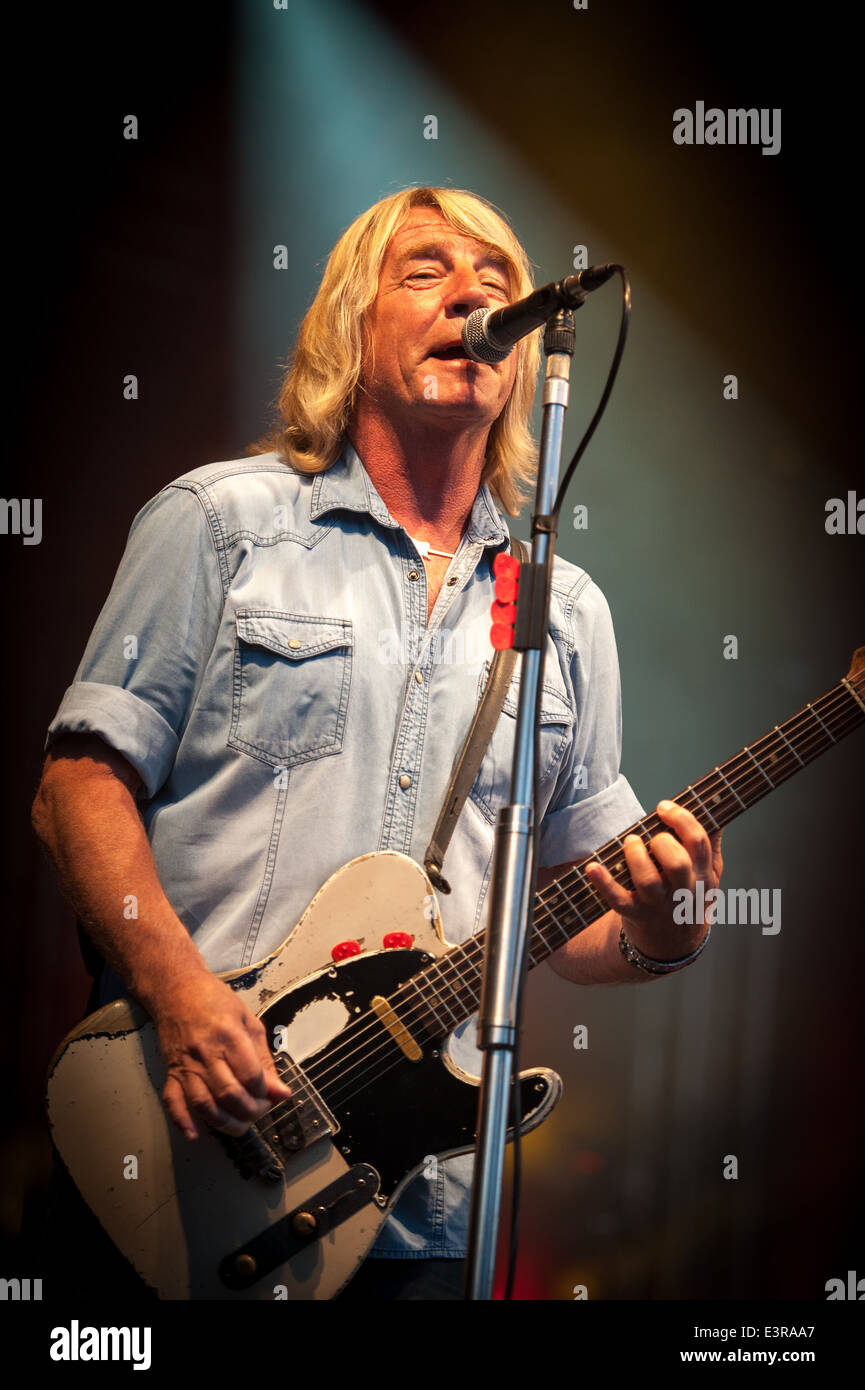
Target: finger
{"x": 202, "y": 1104}
{"x": 272, "y": 1084}
{"x": 648, "y": 884}
{"x": 673, "y": 860}
{"x": 717, "y": 857}
{"x": 175, "y": 1104}
{"x": 617, "y": 898}
{"x": 246, "y": 1060}
{"x": 230, "y": 1096}
{"x": 690, "y": 833}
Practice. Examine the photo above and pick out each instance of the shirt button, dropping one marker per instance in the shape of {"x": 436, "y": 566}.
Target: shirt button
{"x": 294, "y": 643}
{"x": 413, "y": 574}
{"x": 454, "y": 579}
{"x": 405, "y": 781}
{"x": 418, "y": 677}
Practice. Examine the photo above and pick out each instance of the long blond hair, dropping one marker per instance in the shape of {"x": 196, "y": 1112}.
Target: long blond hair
{"x": 318, "y": 392}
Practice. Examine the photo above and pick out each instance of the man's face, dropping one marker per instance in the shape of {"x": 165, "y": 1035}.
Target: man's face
{"x": 432, "y": 278}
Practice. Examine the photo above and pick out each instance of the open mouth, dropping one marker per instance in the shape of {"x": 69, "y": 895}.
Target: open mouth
{"x": 455, "y": 353}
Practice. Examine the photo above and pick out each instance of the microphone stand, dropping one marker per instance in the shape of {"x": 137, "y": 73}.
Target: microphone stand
{"x": 513, "y": 869}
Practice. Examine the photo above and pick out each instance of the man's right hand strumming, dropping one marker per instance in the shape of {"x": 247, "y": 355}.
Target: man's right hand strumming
{"x": 220, "y": 1069}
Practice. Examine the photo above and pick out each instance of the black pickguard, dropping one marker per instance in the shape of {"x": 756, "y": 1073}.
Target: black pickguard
{"x": 412, "y": 1110}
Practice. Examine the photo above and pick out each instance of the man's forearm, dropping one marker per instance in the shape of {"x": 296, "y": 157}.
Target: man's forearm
{"x": 593, "y": 957}
{"x": 87, "y": 820}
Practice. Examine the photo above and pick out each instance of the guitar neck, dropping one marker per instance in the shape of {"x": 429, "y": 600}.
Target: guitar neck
{"x": 451, "y": 987}
{"x": 570, "y": 904}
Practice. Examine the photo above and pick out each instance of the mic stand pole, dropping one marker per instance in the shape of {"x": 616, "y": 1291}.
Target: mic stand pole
{"x": 513, "y": 856}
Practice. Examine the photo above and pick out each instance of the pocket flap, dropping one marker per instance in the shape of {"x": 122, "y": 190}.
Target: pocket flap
{"x": 293, "y": 635}
{"x": 555, "y": 708}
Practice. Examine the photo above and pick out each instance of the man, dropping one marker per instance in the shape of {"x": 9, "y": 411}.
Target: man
{"x": 276, "y": 677}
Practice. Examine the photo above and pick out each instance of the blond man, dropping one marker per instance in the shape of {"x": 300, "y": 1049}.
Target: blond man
{"x": 286, "y": 667}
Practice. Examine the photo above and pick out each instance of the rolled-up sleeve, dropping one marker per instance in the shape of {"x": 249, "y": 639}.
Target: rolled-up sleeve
{"x": 142, "y": 667}
{"x": 591, "y": 801}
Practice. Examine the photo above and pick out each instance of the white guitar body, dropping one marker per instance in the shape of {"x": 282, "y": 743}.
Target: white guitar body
{"x": 188, "y": 1209}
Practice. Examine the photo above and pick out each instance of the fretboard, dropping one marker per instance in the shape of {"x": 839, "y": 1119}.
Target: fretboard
{"x": 448, "y": 991}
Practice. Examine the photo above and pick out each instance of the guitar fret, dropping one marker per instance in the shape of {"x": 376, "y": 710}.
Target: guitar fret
{"x": 454, "y": 1017}
{"x": 621, "y": 865}
{"x": 596, "y": 896}
{"x": 758, "y": 767}
{"x": 559, "y": 926}
{"x": 427, "y": 1003}
{"x": 704, "y": 808}
{"x": 732, "y": 789}
{"x": 781, "y": 734}
{"x": 822, "y": 723}
{"x": 476, "y": 968}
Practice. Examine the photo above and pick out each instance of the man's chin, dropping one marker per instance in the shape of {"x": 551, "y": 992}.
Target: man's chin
{"x": 458, "y": 406}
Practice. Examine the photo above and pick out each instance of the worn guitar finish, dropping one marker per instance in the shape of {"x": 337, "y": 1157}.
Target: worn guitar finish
{"x": 291, "y": 1210}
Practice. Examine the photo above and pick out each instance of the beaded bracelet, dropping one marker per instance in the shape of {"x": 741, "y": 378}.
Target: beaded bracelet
{"x": 656, "y": 967}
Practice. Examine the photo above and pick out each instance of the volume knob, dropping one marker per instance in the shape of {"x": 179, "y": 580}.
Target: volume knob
{"x": 303, "y": 1223}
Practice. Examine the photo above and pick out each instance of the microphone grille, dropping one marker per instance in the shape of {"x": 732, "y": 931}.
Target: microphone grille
{"x": 475, "y": 340}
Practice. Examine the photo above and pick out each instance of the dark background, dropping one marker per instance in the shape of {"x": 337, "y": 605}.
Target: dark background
{"x": 706, "y": 516}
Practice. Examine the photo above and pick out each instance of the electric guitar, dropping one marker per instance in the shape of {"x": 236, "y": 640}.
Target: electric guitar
{"x": 360, "y": 1000}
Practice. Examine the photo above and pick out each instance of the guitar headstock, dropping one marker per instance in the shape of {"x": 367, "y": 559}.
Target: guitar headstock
{"x": 856, "y": 674}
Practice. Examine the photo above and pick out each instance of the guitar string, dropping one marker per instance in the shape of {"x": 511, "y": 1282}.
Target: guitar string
{"x": 556, "y": 887}
{"x": 355, "y": 1077}
{"x": 556, "y": 891}
{"x": 374, "y": 1025}
{"x": 356, "y": 1080}
{"x": 388, "y": 1043}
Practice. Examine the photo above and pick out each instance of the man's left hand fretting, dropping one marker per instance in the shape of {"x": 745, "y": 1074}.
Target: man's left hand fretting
{"x": 669, "y": 863}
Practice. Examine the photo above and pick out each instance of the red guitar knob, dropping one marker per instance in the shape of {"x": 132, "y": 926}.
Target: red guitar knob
{"x": 397, "y": 940}
{"x": 345, "y": 949}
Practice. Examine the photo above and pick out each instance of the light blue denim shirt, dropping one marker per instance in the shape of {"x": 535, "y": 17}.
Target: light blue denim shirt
{"x": 194, "y": 673}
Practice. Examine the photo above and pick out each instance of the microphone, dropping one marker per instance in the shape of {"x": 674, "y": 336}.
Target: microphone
{"x": 489, "y": 335}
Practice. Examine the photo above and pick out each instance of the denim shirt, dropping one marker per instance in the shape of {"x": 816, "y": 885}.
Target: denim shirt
{"x": 263, "y": 661}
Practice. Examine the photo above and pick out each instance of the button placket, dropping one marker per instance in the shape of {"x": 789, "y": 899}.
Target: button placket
{"x": 399, "y": 811}
{"x": 399, "y": 808}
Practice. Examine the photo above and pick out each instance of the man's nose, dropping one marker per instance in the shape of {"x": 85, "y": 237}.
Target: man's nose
{"x": 466, "y": 292}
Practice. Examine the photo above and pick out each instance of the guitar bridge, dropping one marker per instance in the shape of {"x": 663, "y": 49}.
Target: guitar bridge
{"x": 304, "y": 1118}
{"x": 252, "y": 1156}
{"x": 291, "y": 1125}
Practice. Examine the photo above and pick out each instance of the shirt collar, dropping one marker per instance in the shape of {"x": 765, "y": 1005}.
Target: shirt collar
{"x": 346, "y": 486}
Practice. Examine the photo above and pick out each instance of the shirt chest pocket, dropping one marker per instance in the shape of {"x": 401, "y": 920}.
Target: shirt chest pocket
{"x": 492, "y": 785}
{"x": 292, "y": 674}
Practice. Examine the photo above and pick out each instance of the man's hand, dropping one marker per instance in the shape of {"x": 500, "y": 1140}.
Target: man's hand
{"x": 675, "y": 862}
{"x": 220, "y": 1069}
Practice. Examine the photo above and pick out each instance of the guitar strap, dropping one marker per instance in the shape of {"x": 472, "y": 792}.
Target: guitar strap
{"x": 477, "y": 741}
